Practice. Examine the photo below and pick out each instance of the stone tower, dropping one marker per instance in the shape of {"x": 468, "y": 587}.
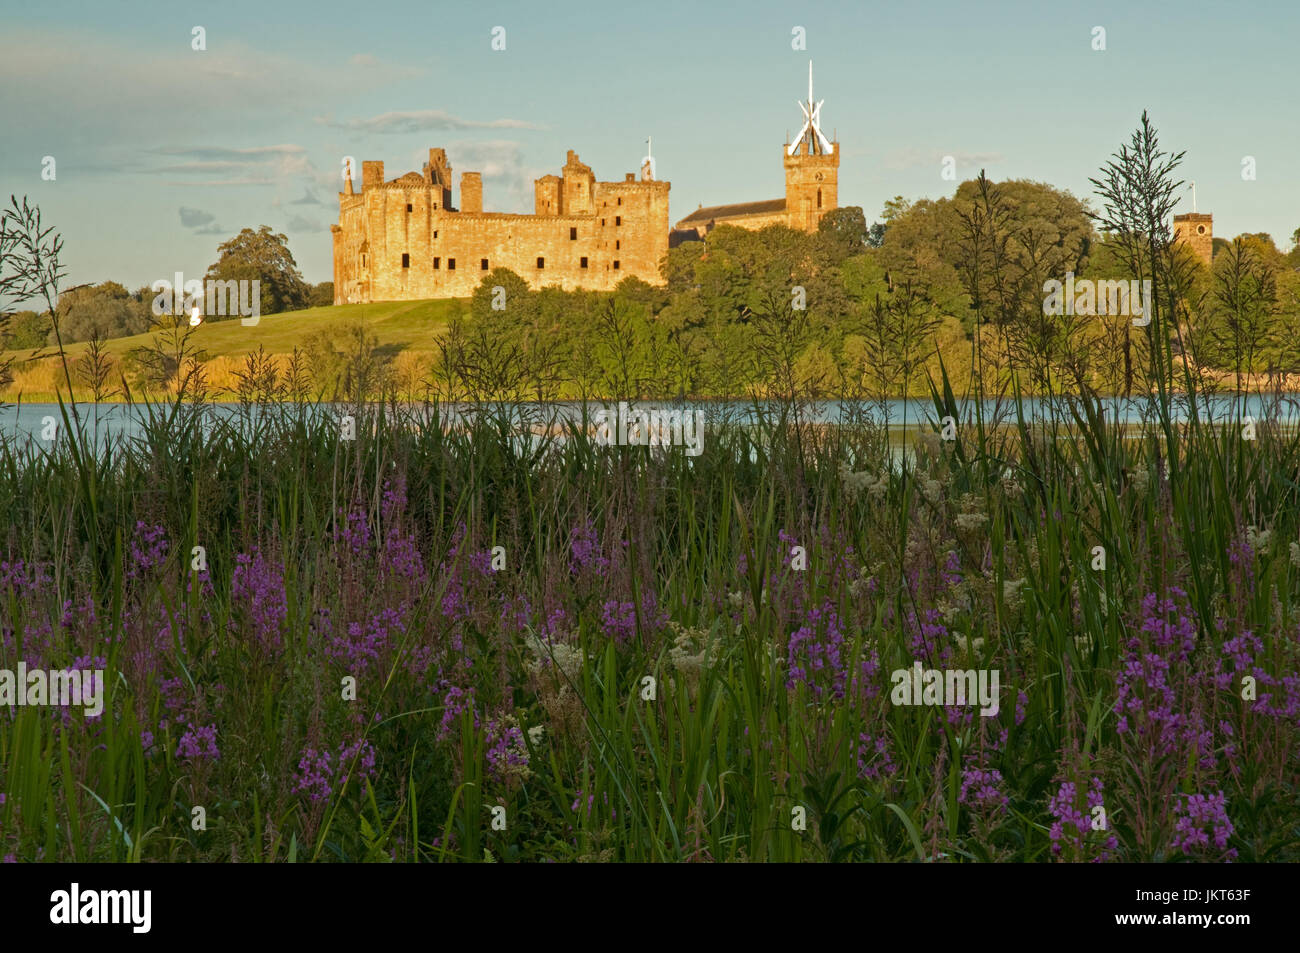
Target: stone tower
{"x": 1196, "y": 229}
{"x": 812, "y": 165}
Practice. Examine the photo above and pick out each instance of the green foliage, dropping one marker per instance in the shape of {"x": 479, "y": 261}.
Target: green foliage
{"x": 263, "y": 255}
{"x": 26, "y": 329}
{"x": 105, "y": 310}
{"x": 321, "y": 295}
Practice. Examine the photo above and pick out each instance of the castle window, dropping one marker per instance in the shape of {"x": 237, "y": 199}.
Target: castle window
{"x": 541, "y": 262}
{"x": 451, "y": 264}
{"x": 1200, "y": 229}
{"x": 410, "y": 207}
{"x": 573, "y": 234}
{"x": 437, "y": 263}
{"x": 819, "y": 198}
{"x": 617, "y": 244}
{"x": 363, "y": 261}
{"x": 406, "y": 261}
{"x": 482, "y": 264}
{"x": 582, "y": 262}
{"x": 435, "y": 231}
{"x": 620, "y": 200}
{"x": 618, "y": 219}
{"x": 616, "y": 264}
{"x": 602, "y": 223}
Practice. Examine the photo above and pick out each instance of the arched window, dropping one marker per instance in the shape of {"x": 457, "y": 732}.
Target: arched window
{"x": 819, "y": 198}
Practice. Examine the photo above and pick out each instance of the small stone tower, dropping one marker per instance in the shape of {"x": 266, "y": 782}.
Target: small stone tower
{"x": 437, "y": 174}
{"x": 1196, "y": 229}
{"x": 812, "y": 165}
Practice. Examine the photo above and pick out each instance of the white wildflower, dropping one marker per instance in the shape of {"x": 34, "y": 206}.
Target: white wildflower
{"x": 569, "y": 659}
{"x": 1258, "y": 539}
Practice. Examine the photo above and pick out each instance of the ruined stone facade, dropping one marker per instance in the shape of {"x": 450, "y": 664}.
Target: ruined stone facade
{"x": 403, "y": 239}
{"x": 1196, "y": 229}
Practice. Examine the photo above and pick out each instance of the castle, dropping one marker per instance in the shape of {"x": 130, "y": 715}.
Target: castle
{"x": 403, "y": 239}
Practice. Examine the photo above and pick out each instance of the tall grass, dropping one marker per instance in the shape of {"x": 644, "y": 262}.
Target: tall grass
{"x": 373, "y": 558}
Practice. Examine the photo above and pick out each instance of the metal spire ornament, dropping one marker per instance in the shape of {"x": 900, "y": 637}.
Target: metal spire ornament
{"x": 812, "y": 129}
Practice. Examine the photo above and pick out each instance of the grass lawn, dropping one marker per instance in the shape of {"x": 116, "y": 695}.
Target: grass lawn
{"x": 399, "y": 326}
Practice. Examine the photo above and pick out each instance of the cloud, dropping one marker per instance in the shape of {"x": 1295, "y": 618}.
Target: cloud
{"x": 72, "y": 85}
{"x": 362, "y": 59}
{"x": 421, "y": 120}
{"x": 255, "y": 165}
{"x": 195, "y": 218}
{"x": 507, "y": 179}
{"x": 308, "y": 198}
{"x": 220, "y": 183}
{"x": 914, "y": 158}
{"x": 217, "y": 153}
{"x": 301, "y": 223}
{"x": 200, "y": 222}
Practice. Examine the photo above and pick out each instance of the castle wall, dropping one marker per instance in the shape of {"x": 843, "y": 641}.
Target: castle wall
{"x": 621, "y": 230}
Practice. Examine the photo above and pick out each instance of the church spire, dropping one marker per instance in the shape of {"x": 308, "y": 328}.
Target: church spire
{"x": 812, "y": 129}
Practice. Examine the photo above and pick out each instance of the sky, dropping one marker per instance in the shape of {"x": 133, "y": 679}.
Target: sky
{"x": 162, "y": 151}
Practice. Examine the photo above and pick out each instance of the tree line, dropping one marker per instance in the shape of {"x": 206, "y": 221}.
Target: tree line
{"x": 109, "y": 309}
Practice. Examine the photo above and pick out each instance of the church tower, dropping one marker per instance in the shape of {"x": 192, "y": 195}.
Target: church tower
{"x": 812, "y": 165}
{"x": 1196, "y": 230}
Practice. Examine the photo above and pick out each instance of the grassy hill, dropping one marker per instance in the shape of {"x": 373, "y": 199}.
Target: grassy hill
{"x": 410, "y": 327}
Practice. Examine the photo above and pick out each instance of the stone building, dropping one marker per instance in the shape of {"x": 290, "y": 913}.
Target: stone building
{"x": 812, "y": 165}
{"x": 1196, "y": 229}
{"x": 403, "y": 239}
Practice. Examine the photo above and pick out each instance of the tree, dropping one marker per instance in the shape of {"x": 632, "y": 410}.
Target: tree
{"x": 105, "y": 310}
{"x": 321, "y": 295}
{"x": 1242, "y": 304}
{"x": 503, "y": 303}
{"x": 262, "y": 255}
{"x": 27, "y": 329}
{"x": 844, "y": 232}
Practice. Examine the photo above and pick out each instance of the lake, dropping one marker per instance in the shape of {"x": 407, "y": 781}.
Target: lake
{"x": 115, "y": 422}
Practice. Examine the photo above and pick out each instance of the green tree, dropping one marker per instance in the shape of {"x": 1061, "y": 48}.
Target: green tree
{"x": 1241, "y": 305}
{"x": 262, "y": 255}
{"x": 844, "y": 232}
{"x": 105, "y": 310}
{"x": 321, "y": 295}
{"x": 27, "y": 329}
